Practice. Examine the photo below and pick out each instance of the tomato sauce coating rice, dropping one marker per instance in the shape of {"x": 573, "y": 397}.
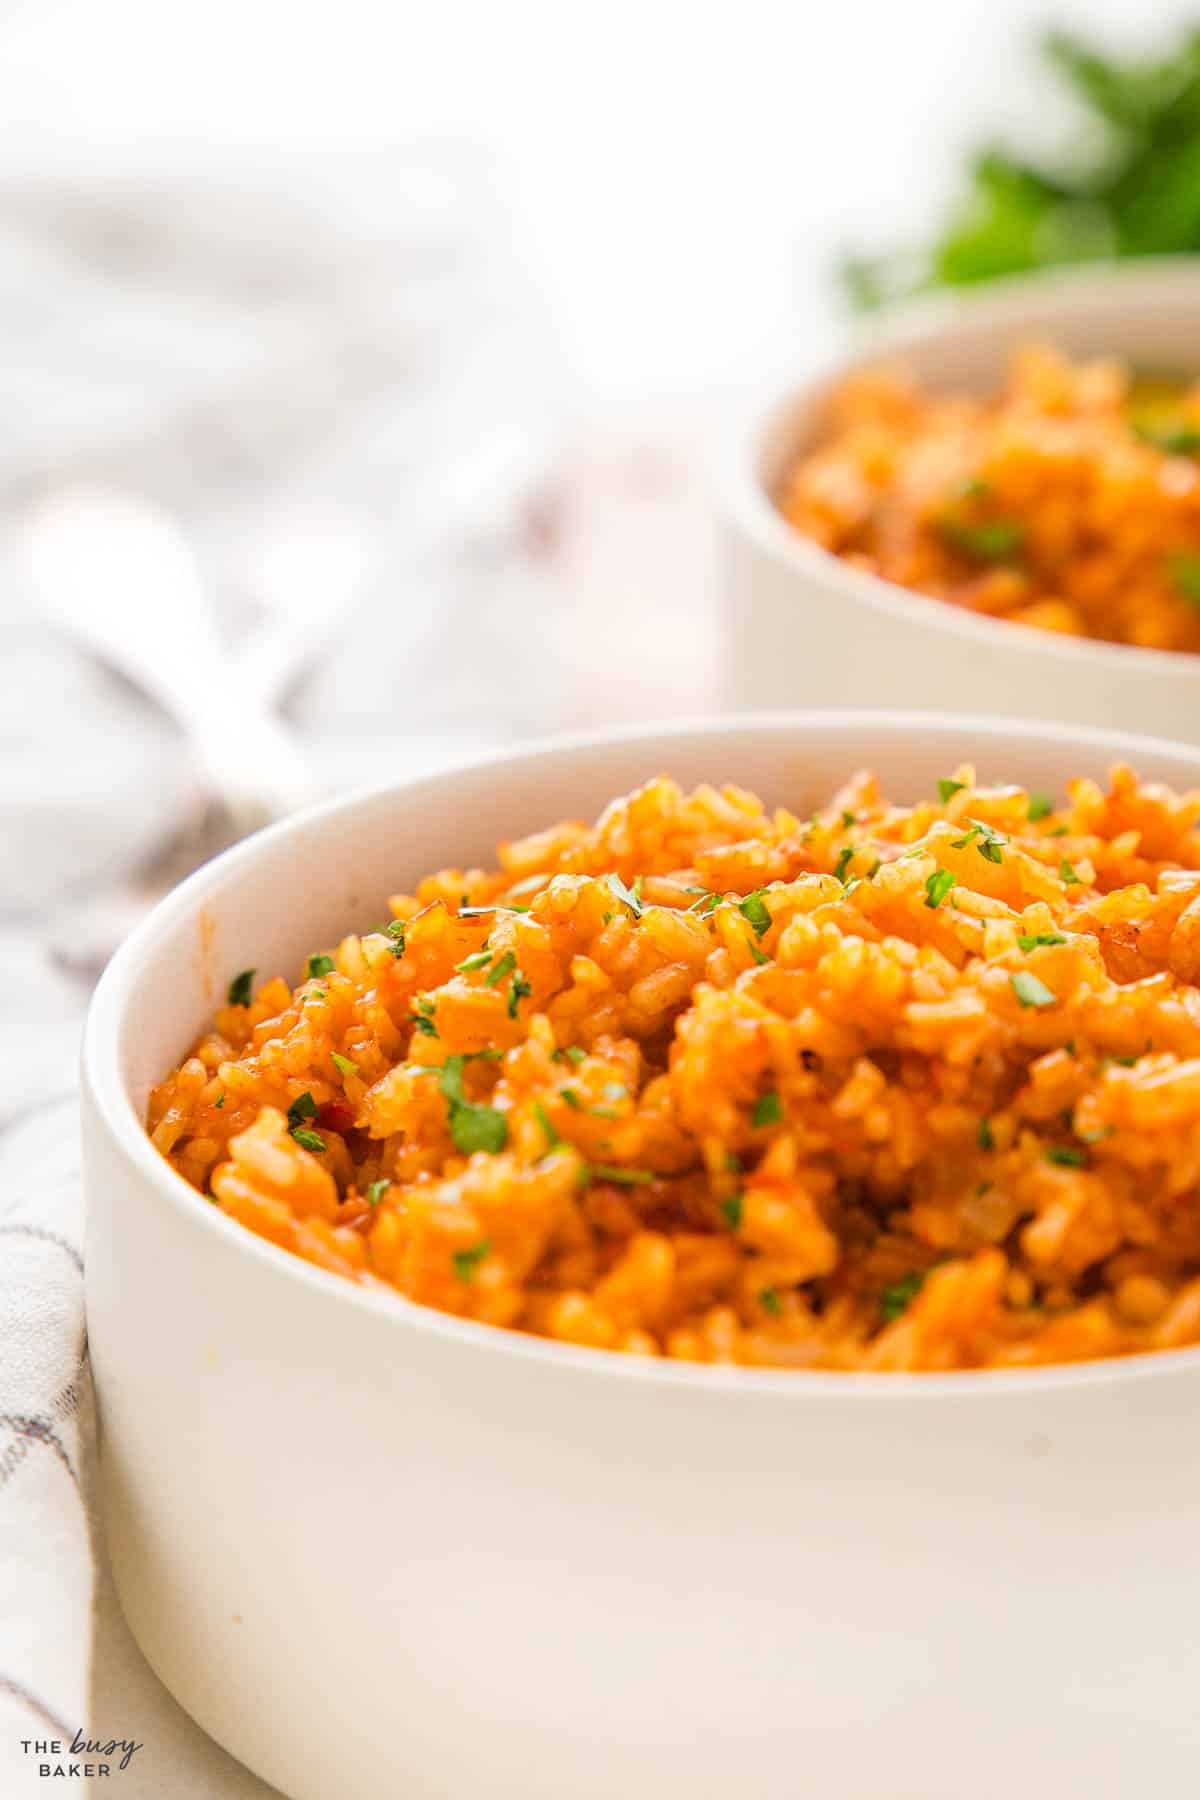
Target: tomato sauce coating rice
{"x": 1068, "y": 500}
{"x": 889, "y": 1088}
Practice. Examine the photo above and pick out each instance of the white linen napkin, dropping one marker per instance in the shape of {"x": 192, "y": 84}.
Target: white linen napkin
{"x": 46, "y": 1426}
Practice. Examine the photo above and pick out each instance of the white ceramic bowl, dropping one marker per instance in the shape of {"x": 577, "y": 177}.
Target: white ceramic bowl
{"x": 375, "y": 1550}
{"x": 807, "y": 629}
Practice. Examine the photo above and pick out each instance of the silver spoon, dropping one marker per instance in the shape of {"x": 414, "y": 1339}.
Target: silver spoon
{"x": 112, "y": 571}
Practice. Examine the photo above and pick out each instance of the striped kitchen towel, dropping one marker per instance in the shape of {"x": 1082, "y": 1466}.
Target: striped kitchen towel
{"x": 46, "y": 1422}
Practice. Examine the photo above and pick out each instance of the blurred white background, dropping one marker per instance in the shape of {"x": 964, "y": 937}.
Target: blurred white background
{"x": 481, "y": 280}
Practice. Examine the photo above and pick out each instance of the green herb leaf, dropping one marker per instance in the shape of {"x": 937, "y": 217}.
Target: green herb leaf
{"x": 947, "y": 789}
{"x": 343, "y": 1064}
{"x": 632, "y": 897}
{"x": 704, "y": 906}
{"x": 397, "y": 934}
{"x": 571, "y": 1097}
{"x": 770, "y": 1302}
{"x": 377, "y": 1190}
{"x": 1030, "y": 991}
{"x": 575, "y": 1054}
{"x": 303, "y": 1107}
{"x": 731, "y": 1211}
{"x": 938, "y": 886}
{"x": 754, "y": 908}
{"x": 1066, "y": 1156}
{"x": 1040, "y": 806}
{"x": 552, "y": 1136}
{"x": 1040, "y": 940}
{"x": 1067, "y": 873}
{"x": 996, "y": 541}
{"x": 318, "y": 966}
{"x": 984, "y": 1135}
{"x": 219, "y": 1102}
{"x": 477, "y": 1128}
{"x": 504, "y": 965}
{"x": 472, "y": 1127}
{"x": 990, "y": 843}
{"x": 899, "y": 1295}
{"x": 621, "y": 1177}
{"x": 480, "y": 960}
{"x": 843, "y": 862}
{"x": 308, "y": 1139}
{"x": 467, "y": 1261}
{"x": 767, "y": 1110}
{"x": 241, "y": 990}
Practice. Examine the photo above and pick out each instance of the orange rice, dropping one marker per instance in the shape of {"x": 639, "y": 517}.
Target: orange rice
{"x": 894, "y": 1087}
{"x": 1069, "y": 501}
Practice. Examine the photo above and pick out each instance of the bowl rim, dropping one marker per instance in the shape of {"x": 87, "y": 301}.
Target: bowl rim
{"x": 103, "y": 1085}
{"x": 1011, "y": 302}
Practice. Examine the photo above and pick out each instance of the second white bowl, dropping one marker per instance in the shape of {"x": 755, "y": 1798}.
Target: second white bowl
{"x": 808, "y": 629}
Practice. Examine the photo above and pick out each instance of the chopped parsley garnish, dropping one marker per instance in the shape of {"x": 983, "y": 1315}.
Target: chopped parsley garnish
{"x": 843, "y": 862}
{"x": 503, "y": 965}
{"x": 767, "y": 1110}
{"x": 307, "y": 1139}
{"x": 219, "y": 1102}
{"x": 847, "y": 820}
{"x": 472, "y": 1127}
{"x": 575, "y": 1053}
{"x": 898, "y": 1296}
{"x": 571, "y": 1097}
{"x": 303, "y": 1107}
{"x": 770, "y": 1302}
{"x": 1066, "y": 1156}
{"x": 938, "y": 886}
{"x": 1067, "y": 873}
{"x": 377, "y": 1190}
{"x": 948, "y": 788}
{"x": 520, "y": 990}
{"x": 1040, "y": 806}
{"x": 1185, "y": 573}
{"x": 984, "y": 1135}
{"x": 731, "y": 1211}
{"x": 990, "y": 843}
{"x": 754, "y": 908}
{"x": 318, "y": 966}
{"x": 1030, "y": 991}
{"x": 621, "y": 1177}
{"x": 467, "y": 1261}
{"x": 1126, "y": 1062}
{"x": 396, "y": 932}
{"x": 1058, "y": 831}
{"x": 632, "y": 896}
{"x": 1039, "y": 940}
{"x": 553, "y": 1137}
{"x": 706, "y": 904}
{"x": 423, "y": 1017}
{"x": 241, "y": 990}
{"x": 480, "y": 960}
{"x": 760, "y": 956}
{"x": 343, "y": 1064}
{"x": 995, "y": 541}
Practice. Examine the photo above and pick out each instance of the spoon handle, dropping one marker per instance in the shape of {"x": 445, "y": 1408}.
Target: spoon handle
{"x": 114, "y": 572}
